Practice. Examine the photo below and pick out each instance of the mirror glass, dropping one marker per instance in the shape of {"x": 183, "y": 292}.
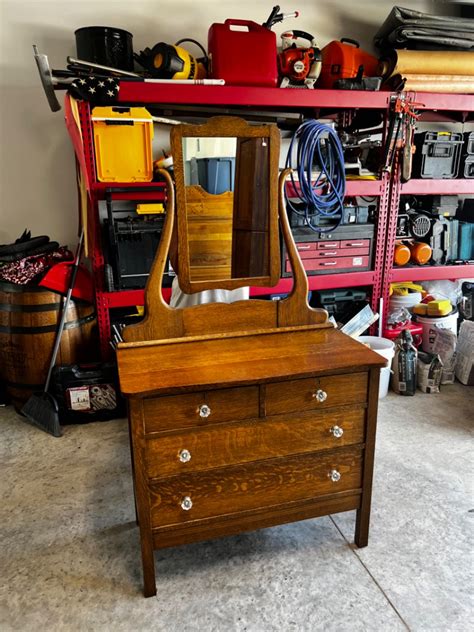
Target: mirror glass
{"x": 227, "y": 207}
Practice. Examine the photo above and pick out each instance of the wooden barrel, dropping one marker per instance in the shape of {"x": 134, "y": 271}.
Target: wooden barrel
{"x": 29, "y": 318}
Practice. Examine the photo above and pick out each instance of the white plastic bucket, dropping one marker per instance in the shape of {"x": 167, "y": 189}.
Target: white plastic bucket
{"x": 429, "y": 322}
{"x": 385, "y": 348}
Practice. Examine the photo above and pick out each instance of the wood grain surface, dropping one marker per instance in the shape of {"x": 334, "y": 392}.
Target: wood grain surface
{"x": 182, "y": 411}
{"x": 253, "y": 440}
{"x": 209, "y": 220}
{"x": 260, "y": 484}
{"x": 254, "y": 519}
{"x": 291, "y": 395}
{"x": 237, "y": 360}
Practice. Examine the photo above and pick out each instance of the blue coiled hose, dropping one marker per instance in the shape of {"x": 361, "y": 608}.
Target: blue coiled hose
{"x": 317, "y": 145}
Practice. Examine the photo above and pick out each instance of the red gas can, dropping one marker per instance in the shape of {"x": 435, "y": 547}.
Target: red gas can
{"x": 243, "y": 53}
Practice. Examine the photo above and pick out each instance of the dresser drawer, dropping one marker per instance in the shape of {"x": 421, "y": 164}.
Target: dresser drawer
{"x": 246, "y": 441}
{"x": 189, "y": 497}
{"x": 315, "y": 393}
{"x": 200, "y": 408}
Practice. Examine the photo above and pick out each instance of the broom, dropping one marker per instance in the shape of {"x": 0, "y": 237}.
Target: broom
{"x": 42, "y": 408}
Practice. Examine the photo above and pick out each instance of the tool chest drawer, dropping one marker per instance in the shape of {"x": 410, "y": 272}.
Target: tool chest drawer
{"x": 315, "y": 393}
{"x": 189, "y": 497}
{"x": 355, "y": 243}
{"x": 245, "y": 441}
{"x": 360, "y": 262}
{"x": 200, "y": 408}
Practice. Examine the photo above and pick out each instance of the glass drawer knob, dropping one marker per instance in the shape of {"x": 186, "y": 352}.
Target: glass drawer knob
{"x": 336, "y": 431}
{"x": 320, "y": 395}
{"x": 204, "y": 411}
{"x": 335, "y": 476}
{"x": 185, "y": 456}
{"x": 186, "y": 503}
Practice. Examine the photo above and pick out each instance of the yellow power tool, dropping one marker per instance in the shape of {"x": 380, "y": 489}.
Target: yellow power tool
{"x": 172, "y": 61}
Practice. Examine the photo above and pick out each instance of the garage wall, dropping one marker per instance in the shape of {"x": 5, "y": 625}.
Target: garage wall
{"x": 37, "y": 180}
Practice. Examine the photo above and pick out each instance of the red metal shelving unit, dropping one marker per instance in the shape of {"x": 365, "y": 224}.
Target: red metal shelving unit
{"x": 251, "y": 96}
{"x": 432, "y": 273}
{"x": 457, "y": 186}
{"x": 387, "y": 189}
{"x": 463, "y": 103}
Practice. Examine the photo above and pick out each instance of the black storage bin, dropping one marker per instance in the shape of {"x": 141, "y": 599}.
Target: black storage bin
{"x": 437, "y": 155}
{"x": 105, "y": 45}
{"x": 87, "y": 393}
{"x": 216, "y": 175}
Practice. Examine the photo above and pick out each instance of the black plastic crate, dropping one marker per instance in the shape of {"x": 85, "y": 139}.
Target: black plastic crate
{"x": 87, "y": 393}
{"x": 437, "y": 155}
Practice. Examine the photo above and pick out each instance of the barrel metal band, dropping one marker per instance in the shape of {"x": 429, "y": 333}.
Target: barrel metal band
{"x": 4, "y": 329}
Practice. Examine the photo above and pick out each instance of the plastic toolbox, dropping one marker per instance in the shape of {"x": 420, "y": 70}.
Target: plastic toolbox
{"x": 342, "y": 304}
{"x": 346, "y": 249}
{"x": 130, "y": 243}
{"x": 468, "y": 171}
{"x": 469, "y": 143}
{"x": 87, "y": 393}
{"x": 466, "y": 241}
{"x": 444, "y": 240}
{"x": 243, "y": 53}
{"x": 437, "y": 155}
{"x": 466, "y": 212}
{"x": 350, "y": 215}
{"x": 123, "y": 144}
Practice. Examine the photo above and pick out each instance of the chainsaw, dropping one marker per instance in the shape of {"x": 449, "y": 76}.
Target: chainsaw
{"x": 299, "y": 65}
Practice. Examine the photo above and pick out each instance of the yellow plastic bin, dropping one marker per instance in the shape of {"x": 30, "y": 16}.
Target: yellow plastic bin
{"x": 122, "y": 141}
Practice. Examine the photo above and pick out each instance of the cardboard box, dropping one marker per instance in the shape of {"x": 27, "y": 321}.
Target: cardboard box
{"x": 464, "y": 367}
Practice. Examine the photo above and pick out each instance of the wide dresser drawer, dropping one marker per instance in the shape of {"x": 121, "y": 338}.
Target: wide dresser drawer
{"x": 196, "y": 409}
{"x": 188, "y": 497}
{"x": 315, "y": 393}
{"x": 245, "y": 441}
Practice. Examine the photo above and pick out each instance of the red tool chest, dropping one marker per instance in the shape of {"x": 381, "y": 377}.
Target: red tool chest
{"x": 323, "y": 254}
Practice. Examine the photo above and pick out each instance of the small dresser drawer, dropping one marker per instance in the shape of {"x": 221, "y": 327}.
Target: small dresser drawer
{"x": 201, "y": 408}
{"x": 189, "y": 497}
{"x": 245, "y": 441}
{"x": 315, "y": 393}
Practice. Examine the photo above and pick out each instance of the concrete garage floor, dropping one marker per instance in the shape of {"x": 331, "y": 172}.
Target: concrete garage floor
{"x": 70, "y": 555}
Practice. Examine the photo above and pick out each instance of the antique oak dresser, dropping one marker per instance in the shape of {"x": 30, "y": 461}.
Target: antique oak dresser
{"x": 249, "y": 414}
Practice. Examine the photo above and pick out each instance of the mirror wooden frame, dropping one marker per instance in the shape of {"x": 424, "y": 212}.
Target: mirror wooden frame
{"x": 225, "y": 126}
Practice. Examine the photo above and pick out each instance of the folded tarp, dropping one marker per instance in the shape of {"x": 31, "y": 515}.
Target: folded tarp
{"x": 405, "y": 28}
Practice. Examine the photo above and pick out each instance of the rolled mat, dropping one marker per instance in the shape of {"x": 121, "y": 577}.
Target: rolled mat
{"x": 455, "y": 84}
{"x": 427, "y": 62}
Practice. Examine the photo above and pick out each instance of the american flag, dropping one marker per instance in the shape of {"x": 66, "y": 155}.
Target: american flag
{"x": 99, "y": 90}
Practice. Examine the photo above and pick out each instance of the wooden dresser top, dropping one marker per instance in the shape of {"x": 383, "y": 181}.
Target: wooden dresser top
{"x": 204, "y": 362}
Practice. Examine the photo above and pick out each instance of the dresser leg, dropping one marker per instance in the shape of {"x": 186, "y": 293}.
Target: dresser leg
{"x": 148, "y": 561}
{"x": 361, "y": 536}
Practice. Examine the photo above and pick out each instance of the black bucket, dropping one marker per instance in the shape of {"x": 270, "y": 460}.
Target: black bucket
{"x": 105, "y": 45}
